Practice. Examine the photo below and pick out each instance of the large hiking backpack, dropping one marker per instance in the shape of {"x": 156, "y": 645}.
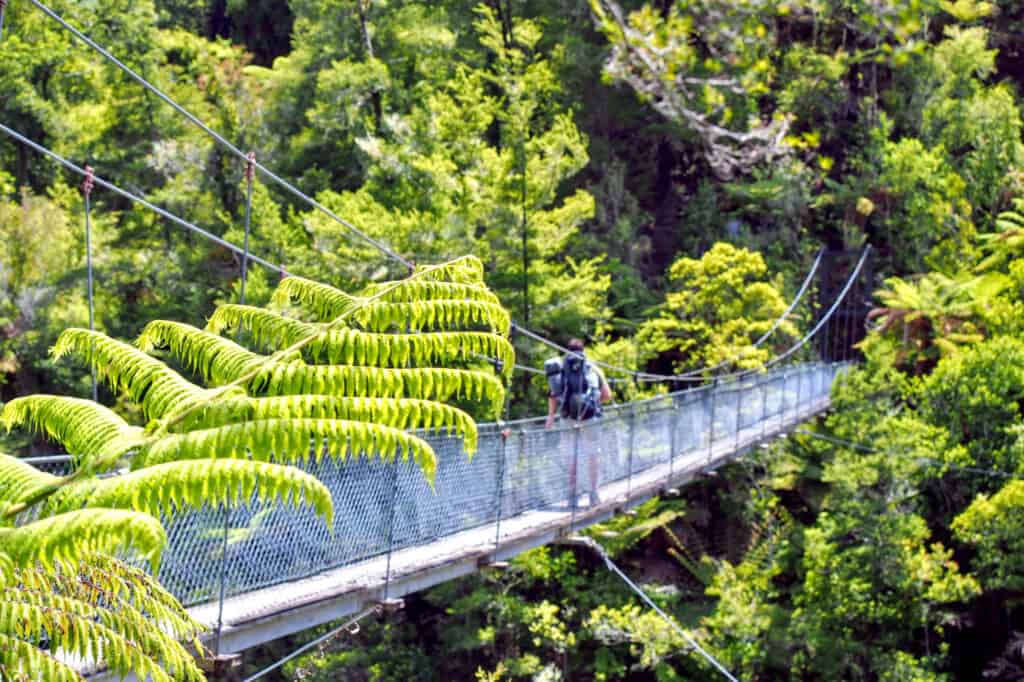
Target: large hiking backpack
{"x": 579, "y": 397}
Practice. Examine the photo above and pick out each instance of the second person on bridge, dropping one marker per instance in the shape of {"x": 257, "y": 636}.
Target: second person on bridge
{"x": 577, "y": 388}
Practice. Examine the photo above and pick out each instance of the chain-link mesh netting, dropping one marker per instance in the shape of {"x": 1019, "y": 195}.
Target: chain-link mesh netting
{"x": 519, "y": 467}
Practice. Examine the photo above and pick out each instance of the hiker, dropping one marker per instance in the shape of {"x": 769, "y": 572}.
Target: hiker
{"x": 577, "y": 388}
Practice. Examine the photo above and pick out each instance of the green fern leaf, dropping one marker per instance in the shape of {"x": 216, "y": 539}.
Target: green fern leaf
{"x": 88, "y": 531}
{"x": 82, "y": 427}
{"x": 269, "y": 329}
{"x": 288, "y": 441}
{"x": 18, "y": 478}
{"x": 399, "y": 413}
{"x": 20, "y": 660}
{"x": 157, "y": 388}
{"x": 170, "y": 487}
{"x": 420, "y": 290}
{"x": 465, "y": 270}
{"x": 218, "y": 360}
{"x": 81, "y": 635}
{"x": 323, "y": 300}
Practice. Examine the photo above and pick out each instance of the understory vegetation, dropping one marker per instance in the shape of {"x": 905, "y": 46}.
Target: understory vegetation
{"x": 656, "y": 176}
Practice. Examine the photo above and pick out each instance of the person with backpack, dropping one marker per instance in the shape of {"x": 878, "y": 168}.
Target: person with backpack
{"x": 576, "y": 390}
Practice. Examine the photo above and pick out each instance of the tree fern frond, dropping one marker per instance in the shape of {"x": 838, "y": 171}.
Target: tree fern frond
{"x": 153, "y": 385}
{"x": 286, "y": 441}
{"x": 323, "y": 300}
{"x": 170, "y": 487}
{"x": 422, "y": 290}
{"x": 434, "y": 315}
{"x": 326, "y": 303}
{"x": 465, "y": 270}
{"x": 218, "y": 360}
{"x": 353, "y": 347}
{"x": 129, "y": 625}
{"x": 427, "y": 383}
{"x": 82, "y": 427}
{"x": 18, "y": 478}
{"x": 121, "y": 582}
{"x": 87, "y": 531}
{"x": 55, "y": 620}
{"x": 400, "y": 413}
{"x": 20, "y": 660}
{"x": 269, "y": 330}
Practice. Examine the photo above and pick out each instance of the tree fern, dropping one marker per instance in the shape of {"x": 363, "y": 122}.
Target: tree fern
{"x": 170, "y": 487}
{"x": 153, "y": 385}
{"x": 290, "y": 441}
{"x": 65, "y": 537}
{"x": 387, "y": 357}
{"x": 400, "y": 413}
{"x": 83, "y": 427}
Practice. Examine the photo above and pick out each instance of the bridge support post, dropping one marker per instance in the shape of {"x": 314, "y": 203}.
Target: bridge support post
{"x": 799, "y": 391}
{"x": 739, "y": 417}
{"x": 764, "y": 405}
{"x": 391, "y": 529}
{"x": 629, "y": 460}
{"x": 711, "y": 420}
{"x": 499, "y": 497}
{"x": 574, "y": 495}
{"x": 672, "y": 419}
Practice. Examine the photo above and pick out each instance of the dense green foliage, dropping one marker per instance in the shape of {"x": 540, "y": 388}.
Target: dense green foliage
{"x": 653, "y": 175}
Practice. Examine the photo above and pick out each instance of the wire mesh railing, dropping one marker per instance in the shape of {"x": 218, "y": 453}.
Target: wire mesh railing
{"x": 518, "y": 469}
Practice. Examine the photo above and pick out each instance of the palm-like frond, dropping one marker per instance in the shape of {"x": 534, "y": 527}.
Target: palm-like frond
{"x": 421, "y": 290}
{"x": 65, "y": 537}
{"x": 18, "y": 478}
{"x": 82, "y": 427}
{"x": 170, "y": 487}
{"x": 269, "y": 330}
{"x": 326, "y": 304}
{"x": 125, "y": 644}
{"x": 323, "y": 300}
{"x": 218, "y": 360}
{"x": 157, "y": 388}
{"x": 399, "y": 413}
{"x": 21, "y": 660}
{"x": 465, "y": 270}
{"x": 427, "y": 383}
{"x": 289, "y": 441}
{"x": 103, "y": 580}
{"x": 354, "y": 347}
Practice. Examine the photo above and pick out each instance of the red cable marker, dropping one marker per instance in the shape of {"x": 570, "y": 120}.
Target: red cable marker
{"x": 87, "y": 184}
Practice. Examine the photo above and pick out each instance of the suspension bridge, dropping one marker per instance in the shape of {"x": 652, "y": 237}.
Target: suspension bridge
{"x": 257, "y": 573}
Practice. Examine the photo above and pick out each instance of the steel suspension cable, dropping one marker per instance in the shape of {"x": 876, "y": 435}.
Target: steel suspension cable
{"x": 87, "y": 186}
{"x": 601, "y": 552}
{"x": 181, "y": 222}
{"x": 220, "y": 139}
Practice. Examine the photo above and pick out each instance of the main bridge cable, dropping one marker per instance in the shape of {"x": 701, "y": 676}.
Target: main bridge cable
{"x": 295, "y": 191}
{"x": 591, "y": 543}
{"x": 139, "y": 200}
